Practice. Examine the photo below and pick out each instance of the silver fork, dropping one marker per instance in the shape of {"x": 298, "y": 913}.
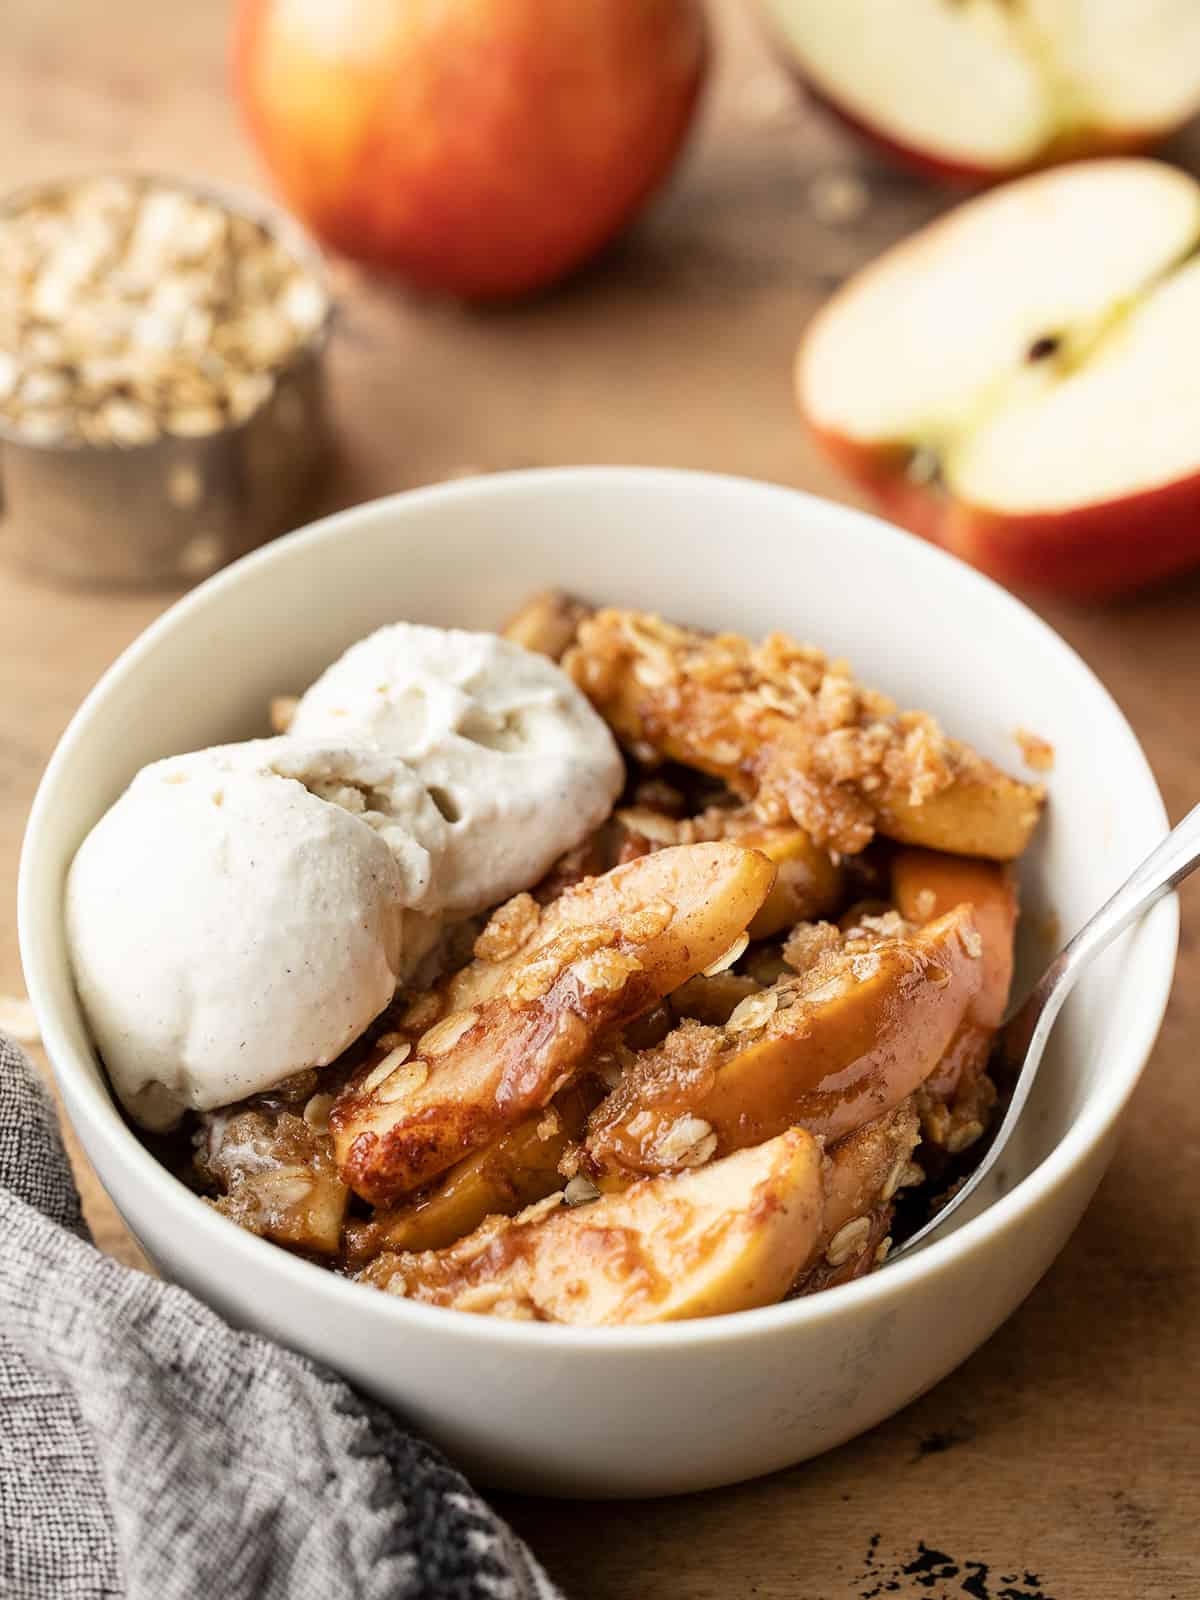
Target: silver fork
{"x": 1021, "y": 1042}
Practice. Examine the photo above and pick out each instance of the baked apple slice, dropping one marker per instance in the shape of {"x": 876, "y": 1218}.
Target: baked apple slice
{"x": 794, "y": 734}
{"x": 982, "y": 812}
{"x": 617, "y": 945}
{"x": 828, "y": 1051}
{"x": 927, "y": 884}
{"x": 861, "y": 1176}
{"x": 546, "y": 623}
{"x": 727, "y": 1238}
{"x": 521, "y": 927}
{"x": 514, "y": 1171}
{"x": 808, "y": 881}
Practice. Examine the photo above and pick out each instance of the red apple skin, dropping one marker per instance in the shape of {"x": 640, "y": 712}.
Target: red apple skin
{"x": 1092, "y": 552}
{"x": 483, "y": 148}
{"x": 1083, "y": 143}
{"x": 954, "y": 174}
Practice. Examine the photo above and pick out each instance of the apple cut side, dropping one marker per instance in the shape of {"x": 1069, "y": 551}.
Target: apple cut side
{"x": 1093, "y": 484}
{"x": 1012, "y": 382}
{"x": 943, "y": 88}
{"x": 975, "y": 90}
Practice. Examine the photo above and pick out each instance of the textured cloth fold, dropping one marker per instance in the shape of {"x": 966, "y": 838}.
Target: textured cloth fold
{"x": 150, "y": 1451}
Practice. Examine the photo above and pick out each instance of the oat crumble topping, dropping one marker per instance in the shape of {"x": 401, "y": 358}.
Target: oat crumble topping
{"x": 781, "y": 723}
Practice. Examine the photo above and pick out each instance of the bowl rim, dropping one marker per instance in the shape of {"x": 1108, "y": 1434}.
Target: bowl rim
{"x": 210, "y": 1236}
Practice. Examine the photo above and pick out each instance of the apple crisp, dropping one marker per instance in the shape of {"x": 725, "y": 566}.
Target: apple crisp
{"x": 725, "y": 1050}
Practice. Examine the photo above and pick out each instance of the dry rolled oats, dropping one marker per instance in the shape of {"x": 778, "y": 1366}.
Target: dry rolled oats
{"x": 131, "y": 309}
{"x": 651, "y": 825}
{"x": 935, "y": 1117}
{"x": 533, "y": 981}
{"x": 423, "y": 1012}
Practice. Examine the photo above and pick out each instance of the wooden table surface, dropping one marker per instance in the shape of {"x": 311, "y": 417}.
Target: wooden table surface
{"x": 1059, "y": 1463}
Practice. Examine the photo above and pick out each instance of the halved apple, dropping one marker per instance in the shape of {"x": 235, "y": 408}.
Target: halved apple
{"x": 829, "y": 1053}
{"x": 642, "y": 930}
{"x": 1012, "y": 381}
{"x": 727, "y": 1238}
{"x": 981, "y": 89}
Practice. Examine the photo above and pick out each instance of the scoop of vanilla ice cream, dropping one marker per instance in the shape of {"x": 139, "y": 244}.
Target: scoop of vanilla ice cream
{"x": 245, "y": 912}
{"x": 520, "y": 765}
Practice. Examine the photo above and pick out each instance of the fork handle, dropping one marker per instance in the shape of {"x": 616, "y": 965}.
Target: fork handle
{"x": 1021, "y": 1042}
{"x": 1167, "y": 865}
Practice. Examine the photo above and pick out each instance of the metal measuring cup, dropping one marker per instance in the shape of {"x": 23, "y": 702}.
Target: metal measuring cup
{"x": 175, "y": 508}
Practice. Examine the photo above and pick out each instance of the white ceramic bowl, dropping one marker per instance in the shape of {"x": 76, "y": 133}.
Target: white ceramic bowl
{"x": 691, "y": 1405}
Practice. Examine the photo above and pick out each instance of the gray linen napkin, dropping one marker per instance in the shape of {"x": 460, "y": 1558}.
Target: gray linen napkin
{"x": 147, "y": 1450}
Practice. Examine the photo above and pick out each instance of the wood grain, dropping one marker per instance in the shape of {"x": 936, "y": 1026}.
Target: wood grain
{"x": 1059, "y": 1463}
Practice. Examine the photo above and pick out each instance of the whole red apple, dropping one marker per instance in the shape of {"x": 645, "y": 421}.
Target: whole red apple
{"x": 483, "y": 148}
